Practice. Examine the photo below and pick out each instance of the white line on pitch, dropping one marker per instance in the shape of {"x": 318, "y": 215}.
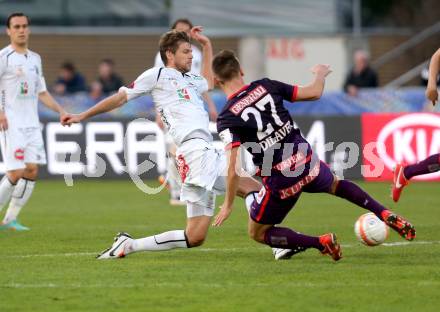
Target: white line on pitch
{"x": 259, "y": 248}
{"x": 68, "y": 254}
{"x": 323, "y": 284}
{"x": 410, "y": 243}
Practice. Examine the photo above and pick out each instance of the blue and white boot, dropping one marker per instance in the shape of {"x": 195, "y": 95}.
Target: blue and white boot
{"x": 14, "y": 226}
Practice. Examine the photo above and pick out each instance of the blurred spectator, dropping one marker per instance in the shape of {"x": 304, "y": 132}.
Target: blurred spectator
{"x": 110, "y": 81}
{"x": 96, "y": 93}
{"x": 361, "y": 75}
{"x": 69, "y": 81}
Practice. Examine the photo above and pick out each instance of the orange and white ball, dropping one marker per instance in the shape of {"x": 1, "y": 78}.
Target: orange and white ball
{"x": 370, "y": 230}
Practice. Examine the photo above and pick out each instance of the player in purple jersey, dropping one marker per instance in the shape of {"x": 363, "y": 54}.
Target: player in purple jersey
{"x": 404, "y": 172}
{"x": 255, "y": 117}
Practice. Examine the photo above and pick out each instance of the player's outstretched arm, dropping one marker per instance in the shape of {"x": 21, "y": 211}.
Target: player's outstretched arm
{"x": 232, "y": 181}
{"x": 431, "y": 89}
{"x": 314, "y": 90}
{"x": 196, "y": 33}
{"x": 47, "y": 99}
{"x": 114, "y": 101}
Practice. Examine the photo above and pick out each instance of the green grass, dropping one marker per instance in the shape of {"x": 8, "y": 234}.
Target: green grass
{"x": 52, "y": 267}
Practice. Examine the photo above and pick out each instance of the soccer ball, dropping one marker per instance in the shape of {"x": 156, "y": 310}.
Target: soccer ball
{"x": 370, "y": 230}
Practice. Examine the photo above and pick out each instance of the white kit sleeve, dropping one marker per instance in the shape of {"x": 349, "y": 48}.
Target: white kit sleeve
{"x": 143, "y": 85}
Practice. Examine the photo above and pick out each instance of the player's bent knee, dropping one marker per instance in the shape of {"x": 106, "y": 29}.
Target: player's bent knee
{"x": 195, "y": 237}
{"x": 31, "y": 172}
{"x": 196, "y": 243}
{"x": 15, "y": 175}
{"x": 196, "y": 240}
{"x": 247, "y": 185}
{"x": 256, "y": 234}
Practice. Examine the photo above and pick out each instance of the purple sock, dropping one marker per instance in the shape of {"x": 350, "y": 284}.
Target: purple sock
{"x": 280, "y": 237}
{"x": 353, "y": 193}
{"x": 430, "y": 164}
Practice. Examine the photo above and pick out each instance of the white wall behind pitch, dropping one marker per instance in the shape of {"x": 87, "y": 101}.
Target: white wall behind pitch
{"x": 290, "y": 59}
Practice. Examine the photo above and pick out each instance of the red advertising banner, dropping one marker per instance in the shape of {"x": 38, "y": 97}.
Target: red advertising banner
{"x": 388, "y": 139}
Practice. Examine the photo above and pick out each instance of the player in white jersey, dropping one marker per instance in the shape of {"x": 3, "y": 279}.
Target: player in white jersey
{"x": 177, "y": 95}
{"x": 172, "y": 176}
{"x": 21, "y": 86}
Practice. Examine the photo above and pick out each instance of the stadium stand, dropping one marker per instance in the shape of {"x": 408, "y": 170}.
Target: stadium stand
{"x": 336, "y": 103}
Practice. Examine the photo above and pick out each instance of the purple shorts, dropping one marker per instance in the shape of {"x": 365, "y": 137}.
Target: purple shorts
{"x": 280, "y": 193}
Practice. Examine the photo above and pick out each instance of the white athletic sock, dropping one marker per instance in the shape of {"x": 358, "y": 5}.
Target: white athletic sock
{"x": 165, "y": 241}
{"x": 249, "y": 199}
{"x": 6, "y": 189}
{"x": 20, "y": 196}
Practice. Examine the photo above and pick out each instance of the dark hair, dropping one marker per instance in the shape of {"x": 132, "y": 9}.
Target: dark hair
{"x": 16, "y": 14}
{"x": 108, "y": 62}
{"x": 170, "y": 42}
{"x": 183, "y": 21}
{"x": 225, "y": 65}
{"x": 68, "y": 66}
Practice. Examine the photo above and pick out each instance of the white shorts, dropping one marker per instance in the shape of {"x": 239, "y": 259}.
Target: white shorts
{"x": 202, "y": 171}
{"x": 205, "y": 206}
{"x": 20, "y": 146}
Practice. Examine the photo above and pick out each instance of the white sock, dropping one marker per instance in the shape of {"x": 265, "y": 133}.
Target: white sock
{"x": 6, "y": 189}
{"x": 249, "y": 199}
{"x": 20, "y": 196}
{"x": 165, "y": 241}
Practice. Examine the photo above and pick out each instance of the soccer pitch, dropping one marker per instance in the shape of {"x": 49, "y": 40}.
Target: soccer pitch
{"x": 52, "y": 267}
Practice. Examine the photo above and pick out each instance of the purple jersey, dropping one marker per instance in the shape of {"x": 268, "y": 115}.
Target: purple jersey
{"x": 256, "y": 118}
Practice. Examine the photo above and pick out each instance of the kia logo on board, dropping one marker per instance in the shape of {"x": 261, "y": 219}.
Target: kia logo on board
{"x": 409, "y": 138}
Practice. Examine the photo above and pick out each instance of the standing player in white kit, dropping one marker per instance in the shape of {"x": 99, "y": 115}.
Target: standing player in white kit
{"x": 21, "y": 85}
{"x": 177, "y": 95}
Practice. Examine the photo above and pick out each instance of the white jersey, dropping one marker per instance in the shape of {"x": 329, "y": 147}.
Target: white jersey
{"x": 21, "y": 80}
{"x": 196, "y": 66}
{"x": 178, "y": 100}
